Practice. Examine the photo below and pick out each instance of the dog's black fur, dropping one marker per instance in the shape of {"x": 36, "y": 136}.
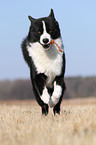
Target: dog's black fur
{"x": 39, "y": 79}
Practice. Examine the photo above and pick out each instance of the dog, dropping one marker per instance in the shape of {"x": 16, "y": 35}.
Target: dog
{"x": 46, "y": 63}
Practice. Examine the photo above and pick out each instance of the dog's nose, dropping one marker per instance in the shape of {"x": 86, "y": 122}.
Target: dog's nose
{"x": 45, "y": 40}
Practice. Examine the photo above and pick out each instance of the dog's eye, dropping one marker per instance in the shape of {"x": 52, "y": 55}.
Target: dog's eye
{"x": 39, "y": 32}
{"x": 50, "y": 31}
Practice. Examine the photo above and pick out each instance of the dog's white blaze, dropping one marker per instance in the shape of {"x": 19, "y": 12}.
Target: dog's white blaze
{"x": 45, "y": 34}
{"x": 44, "y": 27}
{"x": 45, "y": 96}
{"x": 55, "y": 96}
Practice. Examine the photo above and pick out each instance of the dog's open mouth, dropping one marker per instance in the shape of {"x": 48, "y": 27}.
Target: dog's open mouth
{"x": 46, "y": 46}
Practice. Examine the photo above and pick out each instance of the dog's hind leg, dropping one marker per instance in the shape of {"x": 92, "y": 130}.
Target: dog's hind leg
{"x": 45, "y": 109}
{"x": 56, "y": 109}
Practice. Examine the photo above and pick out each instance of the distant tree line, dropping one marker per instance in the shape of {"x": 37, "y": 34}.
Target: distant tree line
{"x": 22, "y": 89}
{"x": 80, "y": 87}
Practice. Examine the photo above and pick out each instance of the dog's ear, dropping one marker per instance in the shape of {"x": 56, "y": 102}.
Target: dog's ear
{"x": 30, "y": 18}
{"x": 52, "y": 14}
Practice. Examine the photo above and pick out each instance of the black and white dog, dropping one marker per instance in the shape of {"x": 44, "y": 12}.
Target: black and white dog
{"x": 46, "y": 63}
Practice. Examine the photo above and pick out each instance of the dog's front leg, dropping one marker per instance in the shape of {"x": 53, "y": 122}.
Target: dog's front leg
{"x": 56, "y": 95}
{"x": 41, "y": 92}
{"x": 56, "y": 98}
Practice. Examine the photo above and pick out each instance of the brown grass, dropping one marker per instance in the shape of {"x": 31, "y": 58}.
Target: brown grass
{"x": 21, "y": 123}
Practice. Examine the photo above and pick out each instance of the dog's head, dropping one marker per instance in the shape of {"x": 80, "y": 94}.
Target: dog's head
{"x": 42, "y": 30}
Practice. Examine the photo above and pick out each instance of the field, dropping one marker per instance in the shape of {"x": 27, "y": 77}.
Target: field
{"x": 21, "y": 123}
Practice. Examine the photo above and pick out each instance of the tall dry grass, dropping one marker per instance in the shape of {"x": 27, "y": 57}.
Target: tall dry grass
{"x": 23, "y": 124}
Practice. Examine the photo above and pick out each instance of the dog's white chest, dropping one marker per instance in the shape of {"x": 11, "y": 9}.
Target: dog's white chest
{"x": 48, "y": 62}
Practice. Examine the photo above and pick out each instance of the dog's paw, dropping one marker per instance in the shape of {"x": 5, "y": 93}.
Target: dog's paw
{"x": 55, "y": 96}
{"x": 45, "y": 96}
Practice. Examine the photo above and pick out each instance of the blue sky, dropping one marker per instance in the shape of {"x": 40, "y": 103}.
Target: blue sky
{"x": 77, "y": 21}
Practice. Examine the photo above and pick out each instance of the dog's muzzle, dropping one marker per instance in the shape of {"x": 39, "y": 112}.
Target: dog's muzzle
{"x": 46, "y": 43}
{"x": 45, "y": 40}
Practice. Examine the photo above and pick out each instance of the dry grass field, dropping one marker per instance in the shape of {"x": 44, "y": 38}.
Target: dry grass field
{"x": 21, "y": 123}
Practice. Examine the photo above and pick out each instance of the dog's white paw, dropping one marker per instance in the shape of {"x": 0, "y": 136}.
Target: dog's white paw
{"x": 45, "y": 96}
{"x": 55, "y": 96}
